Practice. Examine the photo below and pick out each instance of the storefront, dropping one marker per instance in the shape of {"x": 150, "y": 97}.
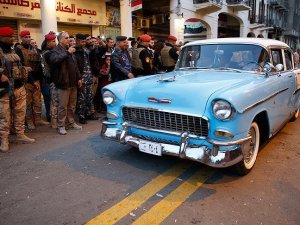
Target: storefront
{"x": 74, "y": 16}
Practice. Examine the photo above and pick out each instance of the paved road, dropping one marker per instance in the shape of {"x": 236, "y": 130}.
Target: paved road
{"x": 79, "y": 178}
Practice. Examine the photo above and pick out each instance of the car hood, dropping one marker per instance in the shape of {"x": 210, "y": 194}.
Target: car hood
{"x": 189, "y": 93}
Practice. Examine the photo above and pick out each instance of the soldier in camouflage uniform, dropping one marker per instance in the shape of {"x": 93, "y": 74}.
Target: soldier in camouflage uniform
{"x": 85, "y": 93}
{"x": 31, "y": 58}
{"x": 12, "y": 79}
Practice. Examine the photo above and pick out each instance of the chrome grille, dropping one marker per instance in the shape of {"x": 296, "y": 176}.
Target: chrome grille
{"x": 168, "y": 121}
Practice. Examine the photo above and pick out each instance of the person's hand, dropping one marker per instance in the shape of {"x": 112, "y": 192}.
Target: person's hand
{"x": 37, "y": 85}
{"x": 28, "y": 68}
{"x": 130, "y": 75}
{"x": 4, "y": 78}
{"x": 71, "y": 50}
{"x": 79, "y": 83}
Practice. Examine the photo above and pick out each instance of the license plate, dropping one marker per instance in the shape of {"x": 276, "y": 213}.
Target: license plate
{"x": 150, "y": 148}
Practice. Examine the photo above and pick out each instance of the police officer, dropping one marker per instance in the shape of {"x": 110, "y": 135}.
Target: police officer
{"x": 85, "y": 93}
{"x": 31, "y": 58}
{"x": 142, "y": 57}
{"x": 169, "y": 54}
{"x": 13, "y": 94}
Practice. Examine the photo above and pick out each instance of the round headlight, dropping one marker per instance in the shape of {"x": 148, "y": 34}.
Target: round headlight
{"x": 222, "y": 109}
{"x": 108, "y": 97}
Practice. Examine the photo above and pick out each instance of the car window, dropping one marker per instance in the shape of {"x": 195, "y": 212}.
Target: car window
{"x": 276, "y": 56}
{"x": 236, "y": 56}
{"x": 288, "y": 59}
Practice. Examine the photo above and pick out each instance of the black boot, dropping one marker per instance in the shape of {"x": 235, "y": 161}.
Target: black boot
{"x": 82, "y": 120}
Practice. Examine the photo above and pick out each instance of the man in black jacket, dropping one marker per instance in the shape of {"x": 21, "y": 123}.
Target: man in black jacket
{"x": 121, "y": 61}
{"x": 66, "y": 78}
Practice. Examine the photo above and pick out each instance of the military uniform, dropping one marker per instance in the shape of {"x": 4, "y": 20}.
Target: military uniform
{"x": 12, "y": 112}
{"x": 169, "y": 55}
{"x": 31, "y": 58}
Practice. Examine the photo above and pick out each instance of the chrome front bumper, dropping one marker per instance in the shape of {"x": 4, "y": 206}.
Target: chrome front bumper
{"x": 213, "y": 157}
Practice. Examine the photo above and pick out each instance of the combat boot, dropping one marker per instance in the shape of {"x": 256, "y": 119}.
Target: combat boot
{"x": 54, "y": 123}
{"x": 22, "y": 138}
{"x": 4, "y": 144}
{"x": 30, "y": 125}
{"x": 41, "y": 122}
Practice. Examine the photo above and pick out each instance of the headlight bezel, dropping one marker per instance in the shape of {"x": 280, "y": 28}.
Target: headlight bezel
{"x": 108, "y": 97}
{"x": 219, "y": 105}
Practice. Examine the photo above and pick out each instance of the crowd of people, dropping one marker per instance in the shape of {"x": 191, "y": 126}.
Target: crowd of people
{"x": 69, "y": 73}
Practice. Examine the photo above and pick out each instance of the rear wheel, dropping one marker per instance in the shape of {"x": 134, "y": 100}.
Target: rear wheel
{"x": 250, "y": 151}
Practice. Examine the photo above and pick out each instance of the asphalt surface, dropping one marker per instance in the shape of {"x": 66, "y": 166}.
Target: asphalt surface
{"x": 74, "y": 178}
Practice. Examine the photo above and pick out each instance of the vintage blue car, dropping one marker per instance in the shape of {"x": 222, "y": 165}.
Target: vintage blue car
{"x": 225, "y": 98}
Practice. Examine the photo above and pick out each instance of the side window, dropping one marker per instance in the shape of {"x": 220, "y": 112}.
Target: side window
{"x": 288, "y": 59}
{"x": 276, "y": 56}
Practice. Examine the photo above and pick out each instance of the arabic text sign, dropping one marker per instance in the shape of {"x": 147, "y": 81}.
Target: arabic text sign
{"x": 32, "y": 9}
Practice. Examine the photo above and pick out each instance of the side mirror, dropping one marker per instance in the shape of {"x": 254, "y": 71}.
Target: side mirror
{"x": 279, "y": 67}
{"x": 269, "y": 67}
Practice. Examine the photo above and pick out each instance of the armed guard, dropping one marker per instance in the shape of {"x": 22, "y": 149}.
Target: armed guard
{"x": 142, "y": 57}
{"x": 32, "y": 59}
{"x": 169, "y": 54}
{"x": 12, "y": 91}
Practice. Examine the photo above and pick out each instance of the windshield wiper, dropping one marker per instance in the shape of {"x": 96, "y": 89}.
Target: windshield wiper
{"x": 228, "y": 69}
{"x": 193, "y": 68}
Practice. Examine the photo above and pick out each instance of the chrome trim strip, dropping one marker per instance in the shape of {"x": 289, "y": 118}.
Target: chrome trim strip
{"x": 115, "y": 116}
{"x": 224, "y": 131}
{"x": 263, "y": 100}
{"x": 229, "y": 143}
{"x": 164, "y": 131}
{"x": 109, "y": 123}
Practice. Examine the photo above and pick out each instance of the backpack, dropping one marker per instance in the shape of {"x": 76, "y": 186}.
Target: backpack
{"x": 45, "y": 66}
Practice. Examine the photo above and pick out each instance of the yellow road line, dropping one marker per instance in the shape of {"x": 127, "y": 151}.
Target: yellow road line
{"x": 121, "y": 209}
{"x": 165, "y": 207}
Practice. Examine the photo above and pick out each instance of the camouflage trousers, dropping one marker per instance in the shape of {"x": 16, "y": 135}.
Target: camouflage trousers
{"x": 19, "y": 111}
{"x": 33, "y": 103}
{"x": 85, "y": 100}
{"x": 53, "y": 105}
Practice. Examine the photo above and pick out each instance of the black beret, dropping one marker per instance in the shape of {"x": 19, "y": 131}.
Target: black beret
{"x": 121, "y": 38}
{"x": 80, "y": 36}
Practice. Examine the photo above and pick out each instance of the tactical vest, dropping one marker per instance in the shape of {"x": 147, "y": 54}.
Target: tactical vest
{"x": 136, "y": 61}
{"x": 166, "y": 59}
{"x": 12, "y": 60}
{"x": 31, "y": 58}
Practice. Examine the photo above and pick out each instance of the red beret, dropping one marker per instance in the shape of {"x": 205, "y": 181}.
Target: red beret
{"x": 50, "y": 37}
{"x": 172, "y": 38}
{"x": 145, "y": 38}
{"x": 6, "y": 31}
{"x": 24, "y": 33}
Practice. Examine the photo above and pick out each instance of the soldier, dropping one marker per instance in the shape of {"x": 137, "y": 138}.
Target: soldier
{"x": 169, "y": 54}
{"x": 85, "y": 93}
{"x": 31, "y": 58}
{"x": 13, "y": 94}
{"x": 48, "y": 86}
{"x": 142, "y": 57}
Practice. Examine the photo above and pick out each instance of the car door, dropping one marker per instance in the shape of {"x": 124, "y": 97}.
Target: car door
{"x": 286, "y": 84}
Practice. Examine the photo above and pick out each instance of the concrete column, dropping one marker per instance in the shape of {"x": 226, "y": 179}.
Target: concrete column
{"x": 176, "y": 21}
{"x": 126, "y": 18}
{"x": 48, "y": 14}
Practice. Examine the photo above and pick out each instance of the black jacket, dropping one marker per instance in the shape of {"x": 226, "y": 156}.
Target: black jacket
{"x": 118, "y": 70}
{"x": 65, "y": 71}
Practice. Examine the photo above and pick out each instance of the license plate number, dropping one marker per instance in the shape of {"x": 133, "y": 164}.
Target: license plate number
{"x": 150, "y": 148}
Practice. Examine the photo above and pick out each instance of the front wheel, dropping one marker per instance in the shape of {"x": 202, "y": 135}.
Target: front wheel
{"x": 250, "y": 151}
{"x": 295, "y": 116}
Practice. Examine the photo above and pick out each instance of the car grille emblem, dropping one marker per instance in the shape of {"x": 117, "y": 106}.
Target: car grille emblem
{"x": 159, "y": 100}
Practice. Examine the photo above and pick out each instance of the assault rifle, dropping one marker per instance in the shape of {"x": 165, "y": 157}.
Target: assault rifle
{"x": 11, "y": 87}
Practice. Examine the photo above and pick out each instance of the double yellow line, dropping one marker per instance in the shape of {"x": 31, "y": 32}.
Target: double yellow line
{"x": 165, "y": 207}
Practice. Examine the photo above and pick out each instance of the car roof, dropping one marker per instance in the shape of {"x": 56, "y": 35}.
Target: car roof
{"x": 258, "y": 41}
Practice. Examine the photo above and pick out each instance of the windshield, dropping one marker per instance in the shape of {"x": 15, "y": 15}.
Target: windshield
{"x": 246, "y": 57}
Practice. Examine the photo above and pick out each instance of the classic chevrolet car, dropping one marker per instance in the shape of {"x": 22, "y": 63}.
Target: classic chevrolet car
{"x": 225, "y": 98}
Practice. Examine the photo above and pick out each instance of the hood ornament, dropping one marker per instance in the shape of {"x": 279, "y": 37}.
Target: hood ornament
{"x": 166, "y": 79}
{"x": 159, "y": 100}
